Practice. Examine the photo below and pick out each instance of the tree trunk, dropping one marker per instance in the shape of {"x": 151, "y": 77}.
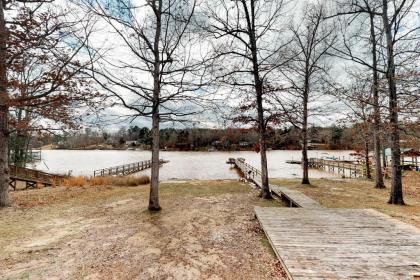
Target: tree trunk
{"x": 154, "y": 184}
{"x": 265, "y": 192}
{"x": 4, "y": 112}
{"x": 305, "y": 162}
{"x": 368, "y": 174}
{"x": 379, "y": 180}
{"x": 259, "y": 92}
{"x": 396, "y": 195}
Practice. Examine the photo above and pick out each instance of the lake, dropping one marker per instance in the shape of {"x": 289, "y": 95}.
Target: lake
{"x": 182, "y": 165}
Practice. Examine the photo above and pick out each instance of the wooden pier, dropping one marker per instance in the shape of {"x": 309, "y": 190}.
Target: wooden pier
{"x": 339, "y": 166}
{"x": 313, "y": 242}
{"x": 341, "y": 243}
{"x": 126, "y": 169}
{"x": 32, "y": 177}
{"x": 248, "y": 170}
{"x": 294, "y": 198}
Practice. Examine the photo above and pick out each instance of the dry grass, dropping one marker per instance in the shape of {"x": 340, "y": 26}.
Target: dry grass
{"x": 126, "y": 181}
{"x": 352, "y": 193}
{"x": 78, "y": 181}
{"x": 74, "y": 187}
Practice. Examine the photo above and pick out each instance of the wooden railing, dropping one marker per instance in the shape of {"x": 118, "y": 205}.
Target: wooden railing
{"x": 126, "y": 169}
{"x": 354, "y": 169}
{"x": 248, "y": 170}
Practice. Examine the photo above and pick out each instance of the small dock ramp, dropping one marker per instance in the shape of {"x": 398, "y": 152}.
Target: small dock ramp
{"x": 295, "y": 198}
{"x": 32, "y": 177}
{"x": 341, "y": 243}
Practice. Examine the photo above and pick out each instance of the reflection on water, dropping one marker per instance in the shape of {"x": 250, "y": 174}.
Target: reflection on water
{"x": 182, "y": 165}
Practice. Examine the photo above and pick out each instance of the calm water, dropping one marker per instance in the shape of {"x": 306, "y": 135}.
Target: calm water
{"x": 182, "y": 165}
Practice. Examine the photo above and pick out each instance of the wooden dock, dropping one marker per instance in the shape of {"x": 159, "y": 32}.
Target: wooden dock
{"x": 126, "y": 169}
{"x": 294, "y": 198}
{"x": 32, "y": 177}
{"x": 248, "y": 170}
{"x": 341, "y": 243}
{"x": 313, "y": 242}
{"x": 339, "y": 166}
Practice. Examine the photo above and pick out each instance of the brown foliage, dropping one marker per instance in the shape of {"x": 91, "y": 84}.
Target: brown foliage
{"x": 126, "y": 181}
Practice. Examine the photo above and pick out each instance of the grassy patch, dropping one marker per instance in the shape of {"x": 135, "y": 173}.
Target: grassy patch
{"x": 203, "y": 188}
{"x": 266, "y": 244}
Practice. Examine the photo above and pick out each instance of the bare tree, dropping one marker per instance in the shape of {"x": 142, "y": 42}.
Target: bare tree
{"x": 156, "y": 72}
{"x": 357, "y": 97}
{"x": 307, "y": 72}
{"x": 399, "y": 49}
{"x": 40, "y": 72}
{"x": 248, "y": 33}
{"x": 402, "y": 46}
{"x": 354, "y": 16}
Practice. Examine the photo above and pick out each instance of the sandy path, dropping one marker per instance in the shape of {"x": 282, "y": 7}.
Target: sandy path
{"x": 205, "y": 234}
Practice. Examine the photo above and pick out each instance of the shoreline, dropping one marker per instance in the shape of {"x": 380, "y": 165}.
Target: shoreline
{"x": 175, "y": 150}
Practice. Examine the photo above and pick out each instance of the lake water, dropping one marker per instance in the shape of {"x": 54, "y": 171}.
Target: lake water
{"x": 182, "y": 165}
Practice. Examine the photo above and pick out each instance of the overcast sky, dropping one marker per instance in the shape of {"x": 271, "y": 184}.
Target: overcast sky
{"x": 105, "y": 38}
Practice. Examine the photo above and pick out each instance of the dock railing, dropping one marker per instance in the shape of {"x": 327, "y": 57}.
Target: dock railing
{"x": 248, "y": 170}
{"x": 354, "y": 169}
{"x": 125, "y": 169}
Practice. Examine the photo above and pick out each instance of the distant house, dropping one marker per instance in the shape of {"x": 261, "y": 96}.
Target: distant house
{"x": 132, "y": 143}
{"x": 314, "y": 145}
{"x": 216, "y": 143}
{"x": 244, "y": 144}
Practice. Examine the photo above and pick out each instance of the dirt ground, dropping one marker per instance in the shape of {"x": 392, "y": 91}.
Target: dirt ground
{"x": 354, "y": 193}
{"x": 206, "y": 230}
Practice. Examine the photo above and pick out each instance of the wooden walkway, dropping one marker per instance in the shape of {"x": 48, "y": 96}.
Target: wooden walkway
{"x": 126, "y": 169}
{"x": 341, "y": 243}
{"x": 32, "y": 177}
{"x": 294, "y": 198}
{"x": 313, "y": 242}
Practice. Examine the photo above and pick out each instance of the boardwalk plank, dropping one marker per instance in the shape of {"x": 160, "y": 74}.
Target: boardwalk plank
{"x": 341, "y": 243}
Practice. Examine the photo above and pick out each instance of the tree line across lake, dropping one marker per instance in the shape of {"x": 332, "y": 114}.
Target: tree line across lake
{"x": 203, "y": 139}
